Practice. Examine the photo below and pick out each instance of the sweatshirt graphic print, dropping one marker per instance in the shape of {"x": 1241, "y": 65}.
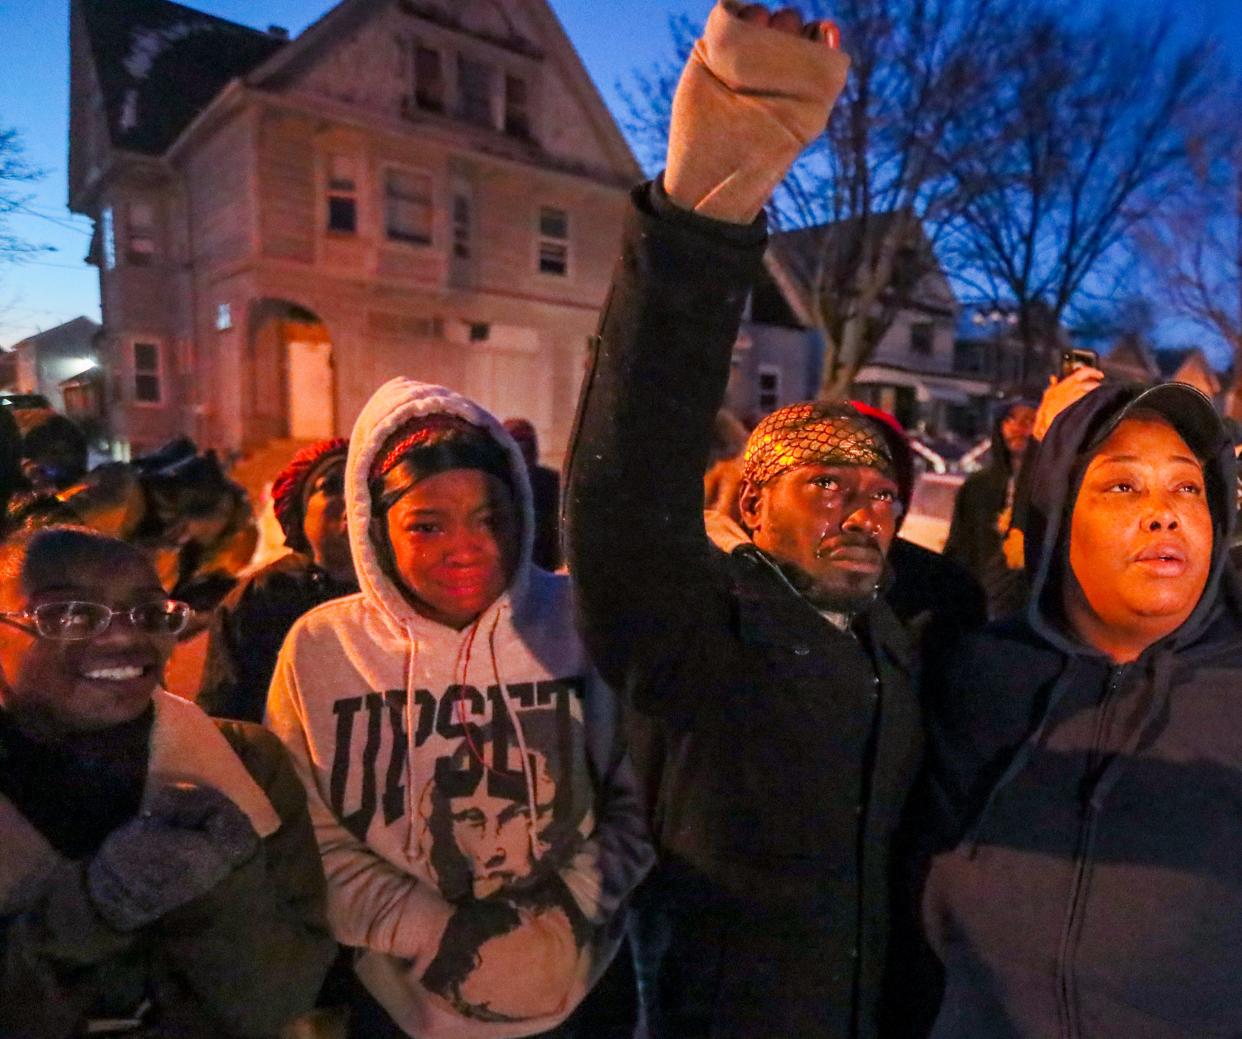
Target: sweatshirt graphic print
{"x": 479, "y": 823}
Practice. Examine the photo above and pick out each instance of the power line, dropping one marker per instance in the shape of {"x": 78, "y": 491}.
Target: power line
{"x": 52, "y": 220}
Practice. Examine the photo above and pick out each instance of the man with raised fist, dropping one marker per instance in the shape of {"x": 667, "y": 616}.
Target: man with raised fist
{"x": 770, "y": 709}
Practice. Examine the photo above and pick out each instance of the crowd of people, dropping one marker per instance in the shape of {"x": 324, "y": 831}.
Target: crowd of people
{"x": 761, "y": 772}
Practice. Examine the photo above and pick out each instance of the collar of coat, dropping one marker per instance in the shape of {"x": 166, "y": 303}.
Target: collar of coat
{"x": 186, "y": 747}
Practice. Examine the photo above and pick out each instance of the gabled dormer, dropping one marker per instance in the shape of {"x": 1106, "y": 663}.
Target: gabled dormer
{"x": 499, "y": 78}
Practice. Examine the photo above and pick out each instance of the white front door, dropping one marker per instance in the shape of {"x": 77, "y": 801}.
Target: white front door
{"x": 310, "y": 389}
{"x": 510, "y": 376}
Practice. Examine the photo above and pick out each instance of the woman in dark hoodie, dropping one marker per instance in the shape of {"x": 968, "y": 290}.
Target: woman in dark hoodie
{"x": 1086, "y": 756}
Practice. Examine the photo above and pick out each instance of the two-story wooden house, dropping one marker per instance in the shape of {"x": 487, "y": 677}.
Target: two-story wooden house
{"x": 431, "y": 188}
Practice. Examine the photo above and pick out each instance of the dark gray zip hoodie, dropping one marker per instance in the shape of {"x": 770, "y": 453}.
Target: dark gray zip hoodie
{"x": 1087, "y": 877}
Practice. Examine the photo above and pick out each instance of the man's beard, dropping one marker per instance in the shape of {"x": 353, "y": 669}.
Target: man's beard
{"x": 832, "y": 600}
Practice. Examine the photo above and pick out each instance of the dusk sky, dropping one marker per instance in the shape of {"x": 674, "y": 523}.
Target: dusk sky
{"x": 612, "y": 36}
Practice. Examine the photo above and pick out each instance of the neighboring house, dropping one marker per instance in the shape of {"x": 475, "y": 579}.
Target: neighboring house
{"x": 47, "y": 359}
{"x": 431, "y": 189}
{"x": 912, "y": 371}
{"x": 8, "y": 370}
{"x": 1190, "y": 366}
{"x": 1131, "y": 359}
{"x": 776, "y": 359}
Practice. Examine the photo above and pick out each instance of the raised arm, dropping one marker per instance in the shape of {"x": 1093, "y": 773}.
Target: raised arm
{"x": 752, "y": 95}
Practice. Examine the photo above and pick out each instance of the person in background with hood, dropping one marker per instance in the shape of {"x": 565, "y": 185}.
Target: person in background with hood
{"x": 1086, "y": 755}
{"x": 545, "y": 486}
{"x": 250, "y": 625}
{"x": 478, "y": 819}
{"x": 983, "y": 514}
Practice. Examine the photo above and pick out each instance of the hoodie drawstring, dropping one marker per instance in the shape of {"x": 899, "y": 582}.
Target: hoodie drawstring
{"x": 532, "y": 801}
{"x": 527, "y": 773}
{"x": 411, "y": 800}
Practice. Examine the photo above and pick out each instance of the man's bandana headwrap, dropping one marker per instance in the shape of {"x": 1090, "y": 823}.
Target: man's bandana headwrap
{"x": 814, "y": 433}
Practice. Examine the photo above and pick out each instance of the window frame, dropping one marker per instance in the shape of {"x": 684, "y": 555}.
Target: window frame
{"x": 352, "y": 194}
{"x": 777, "y": 373}
{"x": 159, "y": 372}
{"x": 463, "y": 96}
{"x": 542, "y": 238}
{"x": 134, "y": 235}
{"x": 524, "y": 131}
{"x": 387, "y": 170}
{"x": 417, "y": 49}
{"x": 916, "y": 327}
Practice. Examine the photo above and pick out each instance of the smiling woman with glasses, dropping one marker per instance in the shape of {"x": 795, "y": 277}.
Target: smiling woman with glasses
{"x": 137, "y": 834}
{"x": 72, "y": 620}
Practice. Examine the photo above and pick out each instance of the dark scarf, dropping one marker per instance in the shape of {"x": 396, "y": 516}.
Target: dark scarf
{"x": 77, "y": 789}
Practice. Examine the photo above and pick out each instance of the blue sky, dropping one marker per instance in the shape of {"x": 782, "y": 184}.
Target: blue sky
{"x": 612, "y": 36}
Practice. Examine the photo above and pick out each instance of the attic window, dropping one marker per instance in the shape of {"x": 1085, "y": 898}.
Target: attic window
{"x": 342, "y": 195}
{"x": 517, "y": 107}
{"x": 922, "y": 338}
{"x": 428, "y": 79}
{"x": 474, "y": 92}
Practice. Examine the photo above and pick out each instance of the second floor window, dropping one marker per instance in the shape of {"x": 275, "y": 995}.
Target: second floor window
{"x": 474, "y": 91}
{"x": 428, "y": 79}
{"x": 140, "y": 234}
{"x": 147, "y": 389}
{"x": 553, "y": 241}
{"x": 342, "y": 194}
{"x": 408, "y": 206}
{"x": 517, "y": 107}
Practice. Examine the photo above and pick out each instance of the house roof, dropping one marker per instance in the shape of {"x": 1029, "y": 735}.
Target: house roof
{"x": 794, "y": 256}
{"x": 80, "y": 327}
{"x": 159, "y": 64}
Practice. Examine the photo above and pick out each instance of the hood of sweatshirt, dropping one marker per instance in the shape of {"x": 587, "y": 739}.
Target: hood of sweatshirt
{"x": 390, "y": 407}
{"x": 1057, "y": 471}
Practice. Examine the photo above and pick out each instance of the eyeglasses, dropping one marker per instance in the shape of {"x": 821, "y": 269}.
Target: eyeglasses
{"x": 70, "y": 621}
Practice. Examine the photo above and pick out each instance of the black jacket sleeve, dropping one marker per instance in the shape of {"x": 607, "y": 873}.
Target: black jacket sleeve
{"x": 644, "y": 569}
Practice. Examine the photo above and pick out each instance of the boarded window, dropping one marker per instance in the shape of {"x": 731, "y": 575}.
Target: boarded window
{"x": 147, "y": 388}
{"x": 140, "y": 234}
{"x": 428, "y": 79}
{"x": 517, "y": 107}
{"x": 474, "y": 92}
{"x": 342, "y": 194}
{"x": 553, "y": 241}
{"x": 408, "y": 209}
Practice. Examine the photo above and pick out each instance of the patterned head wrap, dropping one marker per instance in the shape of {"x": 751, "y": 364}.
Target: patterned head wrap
{"x": 814, "y": 433}
{"x": 431, "y": 444}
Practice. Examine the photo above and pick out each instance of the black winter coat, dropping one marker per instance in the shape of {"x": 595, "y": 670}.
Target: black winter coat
{"x": 775, "y": 750}
{"x": 1088, "y": 882}
{"x": 249, "y": 628}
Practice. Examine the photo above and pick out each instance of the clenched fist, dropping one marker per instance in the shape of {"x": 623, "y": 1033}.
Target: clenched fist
{"x": 758, "y": 87}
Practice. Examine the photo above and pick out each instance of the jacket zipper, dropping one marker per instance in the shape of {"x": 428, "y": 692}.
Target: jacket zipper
{"x": 1066, "y": 994}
